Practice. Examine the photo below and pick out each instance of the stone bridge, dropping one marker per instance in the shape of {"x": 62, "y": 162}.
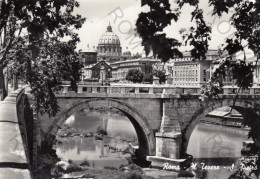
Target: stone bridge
{"x": 163, "y": 116}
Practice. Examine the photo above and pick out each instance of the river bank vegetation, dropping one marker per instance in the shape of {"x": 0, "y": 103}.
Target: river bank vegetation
{"x": 50, "y": 166}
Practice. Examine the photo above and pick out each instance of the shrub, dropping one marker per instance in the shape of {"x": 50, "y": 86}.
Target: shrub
{"x": 73, "y": 168}
{"x": 110, "y": 168}
{"x": 161, "y": 75}
{"x": 101, "y": 131}
{"x": 148, "y": 78}
{"x": 70, "y": 161}
{"x": 84, "y": 163}
{"x": 185, "y": 174}
{"x": 135, "y": 75}
{"x": 133, "y": 175}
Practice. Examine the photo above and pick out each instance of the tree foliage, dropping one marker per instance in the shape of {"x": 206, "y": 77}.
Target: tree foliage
{"x": 160, "y": 74}
{"x": 150, "y": 26}
{"x": 135, "y": 75}
{"x": 148, "y": 78}
{"x": 38, "y": 43}
{"x": 245, "y": 18}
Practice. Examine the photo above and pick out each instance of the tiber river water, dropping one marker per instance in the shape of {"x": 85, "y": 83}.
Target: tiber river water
{"x": 208, "y": 142}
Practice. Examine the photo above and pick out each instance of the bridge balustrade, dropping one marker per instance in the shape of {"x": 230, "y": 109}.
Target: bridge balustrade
{"x": 137, "y": 89}
{"x": 153, "y": 89}
{"x": 233, "y": 90}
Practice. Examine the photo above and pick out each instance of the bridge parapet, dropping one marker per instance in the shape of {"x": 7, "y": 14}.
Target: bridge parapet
{"x": 152, "y": 89}
{"x": 14, "y": 157}
{"x": 233, "y": 90}
{"x": 134, "y": 88}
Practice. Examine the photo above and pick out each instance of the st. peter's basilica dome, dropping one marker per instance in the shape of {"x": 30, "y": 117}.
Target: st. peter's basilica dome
{"x": 109, "y": 38}
{"x": 109, "y": 45}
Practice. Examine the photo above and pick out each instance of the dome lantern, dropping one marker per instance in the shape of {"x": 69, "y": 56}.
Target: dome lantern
{"x": 109, "y": 28}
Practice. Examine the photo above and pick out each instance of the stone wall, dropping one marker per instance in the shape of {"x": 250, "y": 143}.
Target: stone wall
{"x": 14, "y": 152}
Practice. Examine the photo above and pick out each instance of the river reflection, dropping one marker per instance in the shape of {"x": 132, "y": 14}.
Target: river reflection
{"x": 108, "y": 152}
{"x": 216, "y": 142}
{"x": 208, "y": 142}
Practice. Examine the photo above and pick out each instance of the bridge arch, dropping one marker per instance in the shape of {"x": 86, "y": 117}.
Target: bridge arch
{"x": 144, "y": 131}
{"x": 211, "y": 105}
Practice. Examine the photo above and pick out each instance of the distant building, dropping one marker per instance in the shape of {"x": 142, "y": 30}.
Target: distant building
{"x": 109, "y": 47}
{"x": 108, "y": 51}
{"x": 92, "y": 72}
{"x": 126, "y": 55}
{"x": 121, "y": 68}
{"x": 89, "y": 56}
{"x": 256, "y": 75}
{"x": 186, "y": 71}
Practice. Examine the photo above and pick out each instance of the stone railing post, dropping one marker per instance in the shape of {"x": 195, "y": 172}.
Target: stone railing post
{"x": 108, "y": 89}
{"x": 156, "y": 80}
{"x": 65, "y": 88}
{"x": 225, "y": 90}
{"x": 80, "y": 89}
{"x": 150, "y": 90}
{"x": 137, "y": 90}
{"x": 123, "y": 90}
{"x": 164, "y": 91}
{"x": 94, "y": 89}
{"x": 251, "y": 90}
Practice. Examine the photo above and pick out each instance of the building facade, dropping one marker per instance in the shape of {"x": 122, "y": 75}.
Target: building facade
{"x": 108, "y": 51}
{"x": 186, "y": 71}
{"x": 92, "y": 72}
{"x": 121, "y": 68}
{"x": 88, "y": 57}
{"x": 256, "y": 74}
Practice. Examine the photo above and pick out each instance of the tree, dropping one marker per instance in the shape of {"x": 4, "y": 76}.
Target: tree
{"x": 148, "y": 78}
{"x": 38, "y": 43}
{"x": 159, "y": 72}
{"x": 245, "y": 19}
{"x": 135, "y": 75}
{"x": 150, "y": 26}
{"x": 161, "y": 75}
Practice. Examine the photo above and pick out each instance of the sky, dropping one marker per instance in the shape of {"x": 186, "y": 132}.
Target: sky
{"x": 99, "y": 13}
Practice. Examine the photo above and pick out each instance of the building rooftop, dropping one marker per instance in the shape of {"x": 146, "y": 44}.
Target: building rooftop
{"x": 89, "y": 51}
{"x": 138, "y": 59}
{"x": 210, "y": 52}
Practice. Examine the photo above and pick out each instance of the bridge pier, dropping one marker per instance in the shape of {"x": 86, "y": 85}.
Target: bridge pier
{"x": 168, "y": 139}
{"x": 168, "y": 144}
